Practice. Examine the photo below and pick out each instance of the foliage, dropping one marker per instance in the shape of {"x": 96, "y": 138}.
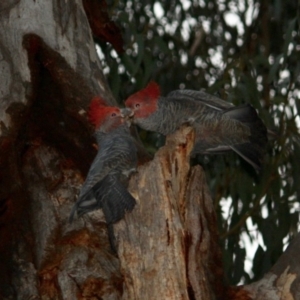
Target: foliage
{"x": 242, "y": 51}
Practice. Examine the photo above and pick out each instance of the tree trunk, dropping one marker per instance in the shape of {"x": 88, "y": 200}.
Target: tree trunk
{"x": 167, "y": 247}
{"x": 49, "y": 72}
{"x": 283, "y": 280}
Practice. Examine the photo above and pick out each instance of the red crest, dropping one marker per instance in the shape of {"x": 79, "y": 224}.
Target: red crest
{"x": 150, "y": 92}
{"x": 97, "y": 111}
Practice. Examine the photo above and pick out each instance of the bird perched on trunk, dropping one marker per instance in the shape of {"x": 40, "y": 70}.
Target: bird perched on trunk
{"x": 115, "y": 161}
{"x": 219, "y": 126}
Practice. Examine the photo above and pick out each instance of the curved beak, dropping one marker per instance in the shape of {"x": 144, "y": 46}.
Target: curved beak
{"x": 127, "y": 112}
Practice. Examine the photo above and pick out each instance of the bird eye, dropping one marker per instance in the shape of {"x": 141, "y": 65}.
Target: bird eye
{"x": 137, "y": 105}
{"x": 113, "y": 114}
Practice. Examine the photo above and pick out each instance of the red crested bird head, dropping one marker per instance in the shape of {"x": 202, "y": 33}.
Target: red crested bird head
{"x": 105, "y": 118}
{"x": 144, "y": 102}
{"x": 96, "y": 105}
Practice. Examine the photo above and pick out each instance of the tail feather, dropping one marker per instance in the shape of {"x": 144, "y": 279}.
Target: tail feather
{"x": 250, "y": 154}
{"x": 243, "y": 113}
{"x": 204, "y": 146}
{"x": 253, "y": 151}
{"x": 84, "y": 204}
{"x": 108, "y": 194}
{"x": 117, "y": 201}
{"x": 112, "y": 238}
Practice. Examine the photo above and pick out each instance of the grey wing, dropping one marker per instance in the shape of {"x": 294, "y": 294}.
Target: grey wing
{"x": 121, "y": 154}
{"x": 94, "y": 175}
{"x": 206, "y": 99}
{"x": 116, "y": 200}
{"x": 115, "y": 155}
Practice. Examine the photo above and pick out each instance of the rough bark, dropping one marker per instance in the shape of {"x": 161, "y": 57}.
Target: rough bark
{"x": 49, "y": 70}
{"x": 283, "y": 280}
{"x": 168, "y": 246}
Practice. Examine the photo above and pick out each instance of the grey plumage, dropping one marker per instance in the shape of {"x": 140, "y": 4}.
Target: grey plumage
{"x": 103, "y": 187}
{"x": 220, "y": 126}
{"x": 226, "y": 127}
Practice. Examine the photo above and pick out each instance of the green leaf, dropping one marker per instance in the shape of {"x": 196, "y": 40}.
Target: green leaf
{"x": 288, "y": 37}
{"x": 275, "y": 68}
{"x": 115, "y": 80}
{"x": 140, "y": 42}
{"x": 161, "y": 44}
{"x": 128, "y": 63}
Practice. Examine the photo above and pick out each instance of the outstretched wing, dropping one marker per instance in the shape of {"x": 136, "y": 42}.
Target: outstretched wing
{"x": 206, "y": 99}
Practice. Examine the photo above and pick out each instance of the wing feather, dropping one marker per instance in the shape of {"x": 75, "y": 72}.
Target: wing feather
{"x": 207, "y": 99}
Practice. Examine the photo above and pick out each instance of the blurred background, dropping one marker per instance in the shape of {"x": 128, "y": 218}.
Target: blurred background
{"x": 243, "y": 51}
